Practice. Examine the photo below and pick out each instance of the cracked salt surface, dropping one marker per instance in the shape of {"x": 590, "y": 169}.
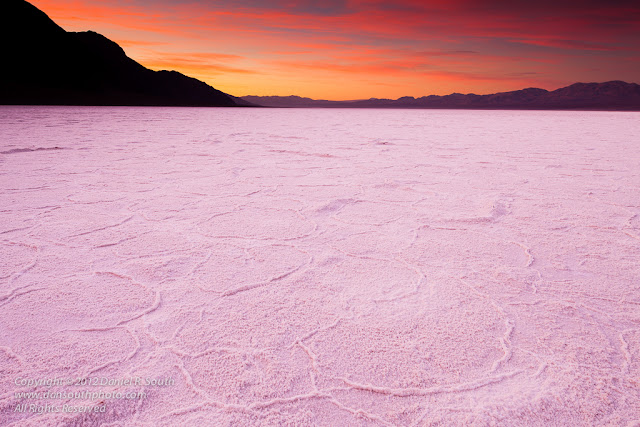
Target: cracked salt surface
{"x": 322, "y": 267}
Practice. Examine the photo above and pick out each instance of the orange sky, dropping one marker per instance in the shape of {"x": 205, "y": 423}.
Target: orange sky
{"x": 355, "y": 49}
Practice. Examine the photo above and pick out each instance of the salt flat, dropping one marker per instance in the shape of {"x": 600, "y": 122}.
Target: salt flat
{"x": 320, "y": 267}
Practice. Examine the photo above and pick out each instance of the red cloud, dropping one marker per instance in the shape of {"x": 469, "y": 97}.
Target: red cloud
{"x": 395, "y": 43}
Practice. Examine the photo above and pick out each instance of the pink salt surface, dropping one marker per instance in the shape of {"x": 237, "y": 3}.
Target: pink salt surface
{"x": 322, "y": 267}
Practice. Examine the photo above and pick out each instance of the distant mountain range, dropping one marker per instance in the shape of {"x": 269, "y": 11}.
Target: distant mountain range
{"x": 42, "y": 64}
{"x": 614, "y": 95}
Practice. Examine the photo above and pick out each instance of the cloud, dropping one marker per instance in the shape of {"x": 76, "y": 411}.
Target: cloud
{"x": 196, "y": 62}
{"x": 397, "y": 44}
{"x": 297, "y": 7}
{"x": 570, "y": 44}
{"x": 128, "y": 43}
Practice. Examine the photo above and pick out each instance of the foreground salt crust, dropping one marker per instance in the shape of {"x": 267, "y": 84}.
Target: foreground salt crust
{"x": 321, "y": 267}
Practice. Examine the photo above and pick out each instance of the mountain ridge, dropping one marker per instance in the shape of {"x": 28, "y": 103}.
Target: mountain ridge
{"x": 46, "y": 65}
{"x": 613, "y": 95}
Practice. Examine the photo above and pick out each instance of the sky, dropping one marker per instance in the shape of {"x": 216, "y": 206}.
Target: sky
{"x": 360, "y": 49}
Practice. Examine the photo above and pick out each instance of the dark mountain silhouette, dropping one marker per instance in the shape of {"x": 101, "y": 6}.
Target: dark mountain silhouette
{"x": 292, "y": 101}
{"x": 42, "y": 64}
{"x": 614, "y": 95}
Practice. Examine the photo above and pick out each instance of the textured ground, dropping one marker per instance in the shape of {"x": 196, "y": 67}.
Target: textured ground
{"x": 321, "y": 267}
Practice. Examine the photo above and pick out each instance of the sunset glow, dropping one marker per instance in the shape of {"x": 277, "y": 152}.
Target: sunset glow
{"x": 356, "y": 49}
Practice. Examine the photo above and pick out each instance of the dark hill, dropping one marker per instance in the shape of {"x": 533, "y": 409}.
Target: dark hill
{"x": 45, "y": 65}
